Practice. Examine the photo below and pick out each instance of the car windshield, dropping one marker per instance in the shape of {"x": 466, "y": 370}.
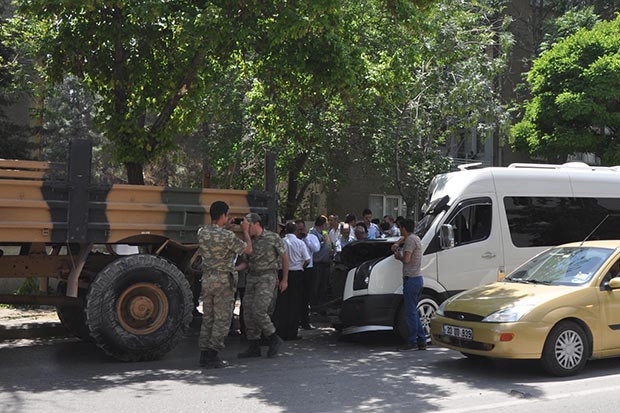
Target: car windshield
{"x": 562, "y": 266}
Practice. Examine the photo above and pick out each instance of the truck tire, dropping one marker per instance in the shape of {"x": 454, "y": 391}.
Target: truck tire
{"x": 139, "y": 307}
{"x": 426, "y": 308}
{"x": 73, "y": 317}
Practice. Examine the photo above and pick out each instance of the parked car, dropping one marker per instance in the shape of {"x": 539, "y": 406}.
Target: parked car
{"x": 561, "y": 307}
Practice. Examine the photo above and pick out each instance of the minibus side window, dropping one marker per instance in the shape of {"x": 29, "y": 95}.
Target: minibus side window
{"x": 547, "y": 221}
{"x": 471, "y": 224}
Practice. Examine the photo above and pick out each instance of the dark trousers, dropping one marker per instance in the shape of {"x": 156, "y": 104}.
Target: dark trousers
{"x": 306, "y": 293}
{"x": 320, "y": 288}
{"x": 286, "y": 315}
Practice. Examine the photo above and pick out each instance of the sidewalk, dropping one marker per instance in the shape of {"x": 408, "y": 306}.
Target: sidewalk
{"x": 23, "y": 323}
{"x": 27, "y": 323}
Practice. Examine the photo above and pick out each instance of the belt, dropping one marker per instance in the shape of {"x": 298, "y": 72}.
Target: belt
{"x": 258, "y": 274}
{"x": 216, "y": 272}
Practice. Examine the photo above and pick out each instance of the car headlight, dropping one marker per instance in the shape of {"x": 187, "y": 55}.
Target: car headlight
{"x": 508, "y": 315}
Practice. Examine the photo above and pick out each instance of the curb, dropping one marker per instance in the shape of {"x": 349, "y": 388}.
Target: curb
{"x": 31, "y": 330}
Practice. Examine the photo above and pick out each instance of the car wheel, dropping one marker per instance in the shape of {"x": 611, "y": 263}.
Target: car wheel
{"x": 566, "y": 349}
{"x": 426, "y": 308}
{"x": 139, "y": 307}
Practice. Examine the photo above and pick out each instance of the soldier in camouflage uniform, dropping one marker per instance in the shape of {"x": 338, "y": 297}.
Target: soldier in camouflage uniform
{"x": 262, "y": 287}
{"x": 219, "y": 248}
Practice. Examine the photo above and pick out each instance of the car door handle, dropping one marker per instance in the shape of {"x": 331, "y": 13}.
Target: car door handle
{"x": 488, "y": 255}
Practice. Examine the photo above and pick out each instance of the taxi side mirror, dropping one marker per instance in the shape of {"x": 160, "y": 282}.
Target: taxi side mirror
{"x": 614, "y": 283}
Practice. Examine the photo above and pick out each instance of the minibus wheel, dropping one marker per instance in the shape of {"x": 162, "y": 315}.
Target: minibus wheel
{"x": 427, "y": 306}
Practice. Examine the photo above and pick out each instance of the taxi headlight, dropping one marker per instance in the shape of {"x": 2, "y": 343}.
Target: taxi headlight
{"x": 508, "y": 315}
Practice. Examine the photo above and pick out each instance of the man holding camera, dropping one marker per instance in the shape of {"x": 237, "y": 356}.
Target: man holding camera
{"x": 219, "y": 248}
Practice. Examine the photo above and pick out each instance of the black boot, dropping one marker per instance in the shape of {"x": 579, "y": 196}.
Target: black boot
{"x": 274, "y": 345}
{"x": 214, "y": 361}
{"x": 252, "y": 351}
{"x": 204, "y": 357}
{"x": 210, "y": 360}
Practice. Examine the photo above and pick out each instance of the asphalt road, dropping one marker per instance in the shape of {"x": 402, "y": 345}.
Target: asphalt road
{"x": 320, "y": 373}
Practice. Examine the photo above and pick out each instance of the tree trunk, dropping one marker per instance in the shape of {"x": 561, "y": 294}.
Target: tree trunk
{"x": 295, "y": 193}
{"x": 291, "y": 195}
{"x": 135, "y": 173}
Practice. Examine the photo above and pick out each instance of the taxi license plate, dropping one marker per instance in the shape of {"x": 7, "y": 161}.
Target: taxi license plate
{"x": 459, "y": 332}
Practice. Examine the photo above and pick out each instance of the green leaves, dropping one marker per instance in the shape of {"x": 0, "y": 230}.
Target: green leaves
{"x": 575, "y": 105}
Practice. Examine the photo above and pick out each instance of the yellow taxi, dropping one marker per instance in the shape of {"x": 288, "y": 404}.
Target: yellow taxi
{"x": 561, "y": 307}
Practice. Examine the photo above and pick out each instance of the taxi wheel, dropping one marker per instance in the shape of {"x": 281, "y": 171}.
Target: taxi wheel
{"x": 566, "y": 349}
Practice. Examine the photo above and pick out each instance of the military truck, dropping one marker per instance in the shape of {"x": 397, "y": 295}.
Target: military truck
{"x": 60, "y": 228}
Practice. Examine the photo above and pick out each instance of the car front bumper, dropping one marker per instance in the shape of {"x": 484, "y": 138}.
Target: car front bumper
{"x": 492, "y": 339}
{"x": 371, "y": 310}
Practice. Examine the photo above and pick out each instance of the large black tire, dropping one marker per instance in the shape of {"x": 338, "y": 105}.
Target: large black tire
{"x": 566, "y": 349}
{"x": 426, "y": 308}
{"x": 73, "y": 317}
{"x": 139, "y": 307}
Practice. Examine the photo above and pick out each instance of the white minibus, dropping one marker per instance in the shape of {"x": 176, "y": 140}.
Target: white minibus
{"x": 498, "y": 217}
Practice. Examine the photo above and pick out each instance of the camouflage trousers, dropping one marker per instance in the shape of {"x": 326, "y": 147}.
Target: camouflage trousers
{"x": 218, "y": 301}
{"x": 258, "y": 305}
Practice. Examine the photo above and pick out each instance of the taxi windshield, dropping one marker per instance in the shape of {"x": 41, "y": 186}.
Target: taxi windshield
{"x": 562, "y": 266}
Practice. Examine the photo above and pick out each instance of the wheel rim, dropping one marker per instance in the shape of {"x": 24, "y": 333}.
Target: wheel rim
{"x": 426, "y": 309}
{"x": 569, "y": 348}
{"x": 142, "y": 308}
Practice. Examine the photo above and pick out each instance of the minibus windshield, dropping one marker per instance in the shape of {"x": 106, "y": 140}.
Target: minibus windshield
{"x": 425, "y": 224}
{"x": 434, "y": 210}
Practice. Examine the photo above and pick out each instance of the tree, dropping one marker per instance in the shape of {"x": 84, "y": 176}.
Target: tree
{"x": 567, "y": 24}
{"x": 574, "y": 105}
{"x": 13, "y": 143}
{"x": 301, "y": 74}
{"x": 433, "y": 86}
{"x": 144, "y": 60}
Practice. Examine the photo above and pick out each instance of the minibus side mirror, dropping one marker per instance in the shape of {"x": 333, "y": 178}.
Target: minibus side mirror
{"x": 446, "y": 236}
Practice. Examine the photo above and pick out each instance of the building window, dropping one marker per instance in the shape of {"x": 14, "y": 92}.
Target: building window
{"x": 382, "y": 205}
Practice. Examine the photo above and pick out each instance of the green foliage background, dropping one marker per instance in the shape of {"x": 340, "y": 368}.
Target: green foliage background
{"x": 183, "y": 92}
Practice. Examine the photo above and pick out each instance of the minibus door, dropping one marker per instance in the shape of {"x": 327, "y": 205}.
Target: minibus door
{"x": 477, "y": 254}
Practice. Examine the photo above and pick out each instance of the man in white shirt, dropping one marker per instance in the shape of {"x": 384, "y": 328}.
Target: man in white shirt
{"x": 334, "y": 228}
{"x": 288, "y": 304}
{"x": 346, "y": 236}
{"x": 313, "y": 244}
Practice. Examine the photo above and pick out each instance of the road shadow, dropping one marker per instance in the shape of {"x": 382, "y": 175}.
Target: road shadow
{"x": 320, "y": 373}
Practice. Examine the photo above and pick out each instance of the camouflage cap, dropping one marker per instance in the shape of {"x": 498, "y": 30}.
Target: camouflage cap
{"x": 252, "y": 217}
